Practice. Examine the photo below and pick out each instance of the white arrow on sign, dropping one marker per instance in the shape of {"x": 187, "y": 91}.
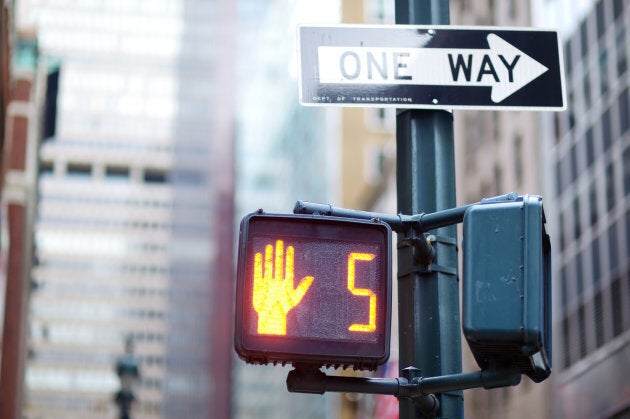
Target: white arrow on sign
{"x": 503, "y": 67}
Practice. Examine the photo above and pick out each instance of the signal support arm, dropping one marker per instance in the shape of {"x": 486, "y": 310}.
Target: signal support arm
{"x": 401, "y": 223}
{"x": 412, "y": 228}
{"x": 309, "y": 379}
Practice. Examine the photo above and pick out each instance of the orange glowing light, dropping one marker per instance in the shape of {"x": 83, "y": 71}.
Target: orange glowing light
{"x": 274, "y": 292}
{"x": 362, "y": 292}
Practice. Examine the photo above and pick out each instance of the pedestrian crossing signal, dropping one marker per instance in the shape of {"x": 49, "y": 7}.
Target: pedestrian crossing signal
{"x": 313, "y": 289}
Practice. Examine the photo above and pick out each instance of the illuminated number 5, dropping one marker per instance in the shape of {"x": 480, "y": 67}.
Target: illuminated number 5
{"x": 362, "y": 292}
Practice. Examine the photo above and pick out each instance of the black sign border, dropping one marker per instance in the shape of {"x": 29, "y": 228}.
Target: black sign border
{"x": 547, "y": 92}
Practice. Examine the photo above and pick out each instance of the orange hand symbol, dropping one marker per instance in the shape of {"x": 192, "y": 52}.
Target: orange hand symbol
{"x": 274, "y": 293}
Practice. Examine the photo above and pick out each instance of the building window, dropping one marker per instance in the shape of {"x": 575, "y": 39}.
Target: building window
{"x": 498, "y": 179}
{"x": 598, "y": 308}
{"x": 622, "y": 59}
{"x": 188, "y": 177}
{"x": 616, "y": 306}
{"x": 556, "y": 127}
{"x": 573, "y": 162}
{"x": 586, "y": 85}
{"x": 624, "y": 112}
{"x": 584, "y": 38}
{"x": 607, "y": 136}
{"x": 582, "y": 331}
{"x": 566, "y": 163}
{"x": 596, "y": 269}
{"x": 590, "y": 147}
{"x": 46, "y": 168}
{"x": 559, "y": 188}
{"x": 610, "y": 187}
{"x": 577, "y": 228}
{"x": 601, "y": 20}
{"x": 567, "y": 57}
{"x": 577, "y": 274}
{"x": 618, "y": 8}
{"x": 155, "y": 176}
{"x": 566, "y": 342}
{"x": 117, "y": 173}
{"x": 380, "y": 119}
{"x": 512, "y": 10}
{"x": 491, "y": 8}
{"x": 592, "y": 197}
{"x": 564, "y": 291}
{"x": 570, "y": 110}
{"x": 518, "y": 159}
{"x": 603, "y": 72}
{"x": 561, "y": 220}
{"x": 50, "y": 104}
{"x": 79, "y": 170}
{"x": 626, "y": 171}
{"x": 613, "y": 249}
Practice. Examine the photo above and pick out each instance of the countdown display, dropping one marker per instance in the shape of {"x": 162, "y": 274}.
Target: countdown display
{"x": 313, "y": 289}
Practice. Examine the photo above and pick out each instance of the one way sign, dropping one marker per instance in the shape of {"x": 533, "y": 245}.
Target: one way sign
{"x": 437, "y": 67}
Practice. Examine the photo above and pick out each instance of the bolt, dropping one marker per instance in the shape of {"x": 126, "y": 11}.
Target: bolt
{"x": 410, "y": 373}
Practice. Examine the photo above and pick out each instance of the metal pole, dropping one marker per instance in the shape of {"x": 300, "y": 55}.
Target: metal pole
{"x": 429, "y": 325}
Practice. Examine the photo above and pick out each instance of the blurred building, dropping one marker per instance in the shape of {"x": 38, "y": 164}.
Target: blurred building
{"x": 20, "y": 100}
{"x": 285, "y": 152}
{"x": 588, "y": 158}
{"x": 368, "y": 146}
{"x": 368, "y": 182}
{"x": 496, "y": 153}
{"x": 577, "y": 160}
{"x": 499, "y": 152}
{"x": 5, "y": 59}
{"x": 133, "y": 231}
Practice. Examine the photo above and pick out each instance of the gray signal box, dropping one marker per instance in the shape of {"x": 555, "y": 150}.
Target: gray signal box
{"x": 507, "y": 286}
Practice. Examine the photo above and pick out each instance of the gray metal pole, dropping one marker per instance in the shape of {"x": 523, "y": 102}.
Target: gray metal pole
{"x": 429, "y": 325}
